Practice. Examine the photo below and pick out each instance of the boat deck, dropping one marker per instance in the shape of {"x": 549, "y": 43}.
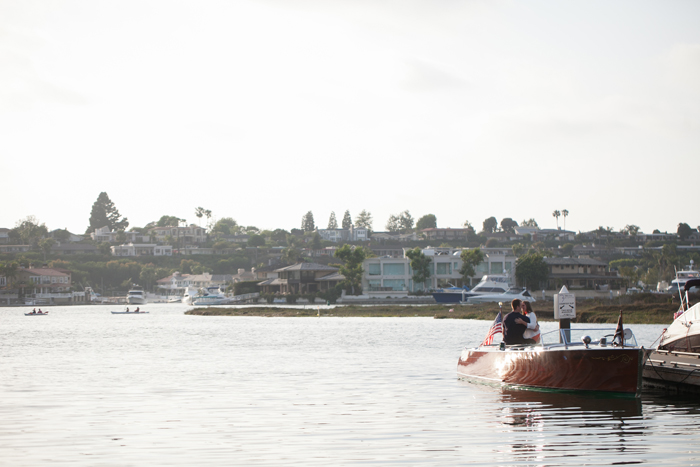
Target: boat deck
{"x": 672, "y": 371}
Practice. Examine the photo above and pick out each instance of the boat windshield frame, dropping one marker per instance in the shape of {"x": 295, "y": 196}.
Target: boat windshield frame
{"x": 573, "y": 337}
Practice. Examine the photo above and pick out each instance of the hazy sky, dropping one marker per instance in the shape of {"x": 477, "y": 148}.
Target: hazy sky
{"x": 265, "y": 110}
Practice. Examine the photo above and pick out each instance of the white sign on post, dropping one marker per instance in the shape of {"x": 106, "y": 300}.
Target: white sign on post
{"x": 564, "y": 304}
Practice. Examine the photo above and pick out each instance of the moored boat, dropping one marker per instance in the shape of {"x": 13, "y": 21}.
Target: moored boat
{"x": 489, "y": 284}
{"x": 683, "y": 335}
{"x": 214, "y": 296}
{"x": 682, "y": 277}
{"x": 451, "y": 294}
{"x": 560, "y": 362}
{"x": 504, "y": 297}
{"x": 674, "y": 364}
{"x": 136, "y": 296}
{"x": 190, "y": 296}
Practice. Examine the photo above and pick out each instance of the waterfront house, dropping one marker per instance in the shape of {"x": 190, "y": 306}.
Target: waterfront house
{"x": 303, "y": 278}
{"x": 393, "y": 276}
{"x": 47, "y": 284}
{"x": 580, "y": 273}
{"x": 244, "y": 276}
{"x": 267, "y": 275}
{"x": 175, "y": 283}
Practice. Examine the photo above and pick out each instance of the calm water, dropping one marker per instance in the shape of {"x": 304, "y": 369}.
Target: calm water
{"x": 83, "y": 387}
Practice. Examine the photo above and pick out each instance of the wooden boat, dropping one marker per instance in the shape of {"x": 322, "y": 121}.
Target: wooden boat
{"x": 559, "y": 362}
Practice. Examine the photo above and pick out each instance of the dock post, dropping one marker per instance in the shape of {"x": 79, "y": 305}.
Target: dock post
{"x": 564, "y": 311}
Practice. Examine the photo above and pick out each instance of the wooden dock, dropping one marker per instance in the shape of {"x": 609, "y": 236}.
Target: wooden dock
{"x": 677, "y": 372}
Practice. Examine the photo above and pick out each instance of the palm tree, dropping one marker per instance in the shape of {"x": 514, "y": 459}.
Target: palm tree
{"x": 199, "y": 212}
{"x": 565, "y": 213}
{"x": 556, "y": 214}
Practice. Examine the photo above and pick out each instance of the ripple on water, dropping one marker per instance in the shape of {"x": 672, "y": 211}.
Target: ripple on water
{"x": 84, "y": 387}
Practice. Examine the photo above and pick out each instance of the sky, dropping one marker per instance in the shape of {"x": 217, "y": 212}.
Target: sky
{"x": 264, "y": 110}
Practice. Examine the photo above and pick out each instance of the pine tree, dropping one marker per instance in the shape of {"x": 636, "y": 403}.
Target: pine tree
{"x": 105, "y": 214}
{"x": 347, "y": 221}
{"x": 332, "y": 222}
{"x": 307, "y": 222}
{"x": 364, "y": 219}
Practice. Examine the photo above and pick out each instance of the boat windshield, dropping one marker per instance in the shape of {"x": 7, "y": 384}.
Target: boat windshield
{"x": 489, "y": 290}
{"x": 575, "y": 337}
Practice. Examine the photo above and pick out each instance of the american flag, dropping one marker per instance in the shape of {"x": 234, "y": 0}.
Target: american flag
{"x": 496, "y": 327}
{"x": 620, "y": 331}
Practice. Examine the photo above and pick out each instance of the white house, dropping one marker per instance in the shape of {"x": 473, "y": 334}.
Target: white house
{"x": 188, "y": 235}
{"x": 353, "y": 234}
{"x": 142, "y": 249}
{"x": 103, "y": 234}
{"x": 391, "y": 276}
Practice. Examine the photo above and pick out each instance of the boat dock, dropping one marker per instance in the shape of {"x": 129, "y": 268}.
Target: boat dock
{"x": 672, "y": 371}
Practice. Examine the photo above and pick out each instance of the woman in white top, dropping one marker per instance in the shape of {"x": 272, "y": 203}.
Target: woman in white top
{"x": 533, "y": 329}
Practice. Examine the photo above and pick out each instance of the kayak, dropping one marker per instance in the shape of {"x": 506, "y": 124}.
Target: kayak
{"x": 36, "y": 314}
{"x": 129, "y": 312}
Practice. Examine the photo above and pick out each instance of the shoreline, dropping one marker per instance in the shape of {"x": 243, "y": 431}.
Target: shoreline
{"x": 633, "y": 313}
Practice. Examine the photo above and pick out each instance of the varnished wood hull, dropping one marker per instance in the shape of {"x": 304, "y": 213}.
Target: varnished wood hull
{"x": 609, "y": 369}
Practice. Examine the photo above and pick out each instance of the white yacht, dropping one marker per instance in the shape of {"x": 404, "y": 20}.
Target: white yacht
{"x": 683, "y": 335}
{"x": 489, "y": 284}
{"x": 190, "y": 296}
{"x": 136, "y": 296}
{"x": 504, "y": 297}
{"x": 214, "y": 296}
{"x": 684, "y": 276}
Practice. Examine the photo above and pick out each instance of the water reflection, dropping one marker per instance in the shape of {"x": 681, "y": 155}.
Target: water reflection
{"x": 544, "y": 426}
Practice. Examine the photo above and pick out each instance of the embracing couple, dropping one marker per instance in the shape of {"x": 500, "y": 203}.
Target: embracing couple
{"x": 520, "y": 325}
